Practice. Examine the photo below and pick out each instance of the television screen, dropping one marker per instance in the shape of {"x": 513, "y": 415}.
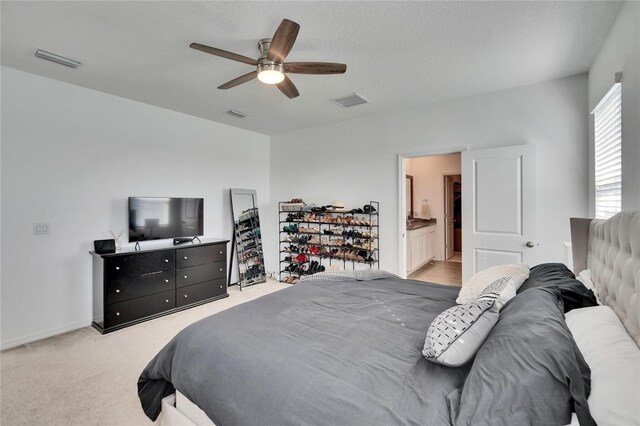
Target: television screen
{"x": 154, "y": 218}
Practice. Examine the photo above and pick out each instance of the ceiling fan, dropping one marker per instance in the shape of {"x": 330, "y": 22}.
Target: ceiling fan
{"x": 270, "y": 66}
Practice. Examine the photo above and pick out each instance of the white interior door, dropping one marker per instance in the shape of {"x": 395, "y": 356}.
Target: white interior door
{"x": 498, "y": 208}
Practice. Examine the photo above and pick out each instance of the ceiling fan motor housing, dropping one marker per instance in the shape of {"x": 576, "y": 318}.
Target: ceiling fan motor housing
{"x": 270, "y": 66}
{"x": 265, "y": 64}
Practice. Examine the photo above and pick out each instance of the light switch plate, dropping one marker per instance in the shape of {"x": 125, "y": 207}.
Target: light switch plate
{"x": 41, "y": 228}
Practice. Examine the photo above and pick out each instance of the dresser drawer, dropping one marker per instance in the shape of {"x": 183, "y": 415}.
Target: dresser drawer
{"x": 200, "y": 273}
{"x": 199, "y": 255}
{"x": 197, "y": 292}
{"x": 118, "y": 267}
{"x": 143, "y": 285}
{"x": 131, "y": 310}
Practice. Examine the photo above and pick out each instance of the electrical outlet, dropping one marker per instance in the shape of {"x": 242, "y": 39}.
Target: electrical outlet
{"x": 41, "y": 228}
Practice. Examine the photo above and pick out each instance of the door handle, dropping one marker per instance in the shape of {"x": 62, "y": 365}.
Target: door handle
{"x": 530, "y": 244}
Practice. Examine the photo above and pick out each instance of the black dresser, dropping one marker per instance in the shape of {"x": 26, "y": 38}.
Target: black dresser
{"x": 130, "y": 287}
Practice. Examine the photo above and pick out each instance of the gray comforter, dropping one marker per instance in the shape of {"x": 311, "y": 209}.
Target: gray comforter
{"x": 337, "y": 353}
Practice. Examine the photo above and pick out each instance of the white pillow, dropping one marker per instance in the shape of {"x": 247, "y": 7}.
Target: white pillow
{"x": 614, "y": 360}
{"x": 483, "y": 279}
{"x": 585, "y": 278}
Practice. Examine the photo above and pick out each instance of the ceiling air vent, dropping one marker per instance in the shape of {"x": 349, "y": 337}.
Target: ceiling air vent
{"x": 237, "y": 114}
{"x": 349, "y": 100}
{"x": 43, "y": 54}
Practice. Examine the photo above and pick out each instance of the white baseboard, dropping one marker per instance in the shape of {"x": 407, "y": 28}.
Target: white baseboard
{"x": 39, "y": 336}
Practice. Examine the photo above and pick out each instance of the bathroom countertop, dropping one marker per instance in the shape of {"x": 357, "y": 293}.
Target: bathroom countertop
{"x": 420, "y": 223}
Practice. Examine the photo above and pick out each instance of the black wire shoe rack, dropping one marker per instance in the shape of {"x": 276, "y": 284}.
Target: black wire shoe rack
{"x": 322, "y": 239}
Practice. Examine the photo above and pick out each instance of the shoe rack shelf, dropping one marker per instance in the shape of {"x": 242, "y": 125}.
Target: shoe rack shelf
{"x": 249, "y": 246}
{"x": 317, "y": 240}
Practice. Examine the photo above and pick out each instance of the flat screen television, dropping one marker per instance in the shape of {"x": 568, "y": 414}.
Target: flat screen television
{"x": 155, "y": 218}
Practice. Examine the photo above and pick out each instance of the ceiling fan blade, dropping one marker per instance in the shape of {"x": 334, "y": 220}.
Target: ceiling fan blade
{"x": 288, "y": 88}
{"x": 282, "y": 41}
{"x": 239, "y": 80}
{"x": 223, "y": 53}
{"x": 315, "y": 68}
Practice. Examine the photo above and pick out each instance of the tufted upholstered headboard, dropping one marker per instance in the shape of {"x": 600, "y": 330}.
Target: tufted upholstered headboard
{"x": 611, "y": 249}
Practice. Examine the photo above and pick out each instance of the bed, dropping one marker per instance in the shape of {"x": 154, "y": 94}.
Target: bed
{"x": 349, "y": 352}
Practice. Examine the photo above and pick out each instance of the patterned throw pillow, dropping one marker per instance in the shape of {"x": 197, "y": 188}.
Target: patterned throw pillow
{"x": 501, "y": 290}
{"x": 455, "y": 335}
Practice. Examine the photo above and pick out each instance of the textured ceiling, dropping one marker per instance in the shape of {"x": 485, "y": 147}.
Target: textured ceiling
{"x": 399, "y": 54}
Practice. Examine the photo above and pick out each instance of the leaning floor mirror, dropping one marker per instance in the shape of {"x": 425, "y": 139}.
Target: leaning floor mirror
{"x": 248, "y": 238}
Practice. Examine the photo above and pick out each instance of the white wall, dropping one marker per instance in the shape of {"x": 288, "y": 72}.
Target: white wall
{"x": 357, "y": 160}
{"x": 620, "y": 52}
{"x": 428, "y": 183}
{"x": 71, "y": 156}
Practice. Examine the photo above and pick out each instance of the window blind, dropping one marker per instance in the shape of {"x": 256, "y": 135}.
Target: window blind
{"x": 608, "y": 153}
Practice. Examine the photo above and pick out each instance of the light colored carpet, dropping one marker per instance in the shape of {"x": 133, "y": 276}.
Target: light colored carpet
{"x": 85, "y": 378}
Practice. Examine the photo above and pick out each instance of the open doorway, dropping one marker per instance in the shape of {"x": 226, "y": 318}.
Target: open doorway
{"x": 453, "y": 218}
{"x": 433, "y": 220}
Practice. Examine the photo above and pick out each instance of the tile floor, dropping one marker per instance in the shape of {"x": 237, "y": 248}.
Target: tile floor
{"x": 440, "y": 272}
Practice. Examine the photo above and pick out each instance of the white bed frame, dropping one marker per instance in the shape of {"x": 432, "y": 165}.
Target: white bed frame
{"x": 177, "y": 410}
{"x": 609, "y": 248}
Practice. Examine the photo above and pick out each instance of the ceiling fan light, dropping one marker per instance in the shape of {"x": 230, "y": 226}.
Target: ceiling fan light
{"x": 270, "y": 74}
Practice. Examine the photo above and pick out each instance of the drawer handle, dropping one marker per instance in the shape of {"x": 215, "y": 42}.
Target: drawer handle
{"x": 117, "y": 268}
{"x": 220, "y": 251}
{"x": 166, "y": 300}
{"x": 220, "y": 286}
{"x": 117, "y": 290}
{"x": 117, "y": 314}
{"x": 220, "y": 269}
{"x": 166, "y": 260}
{"x": 186, "y": 295}
{"x": 166, "y": 281}
{"x": 185, "y": 277}
{"x": 185, "y": 258}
